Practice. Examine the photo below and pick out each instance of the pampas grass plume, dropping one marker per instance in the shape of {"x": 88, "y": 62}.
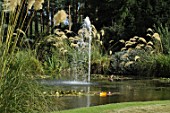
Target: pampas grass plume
{"x": 13, "y": 4}
{"x": 10, "y": 5}
{"x": 30, "y": 3}
{"x": 59, "y": 17}
{"x": 38, "y": 4}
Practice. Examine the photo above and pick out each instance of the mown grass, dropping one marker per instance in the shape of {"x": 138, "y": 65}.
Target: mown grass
{"x": 110, "y": 107}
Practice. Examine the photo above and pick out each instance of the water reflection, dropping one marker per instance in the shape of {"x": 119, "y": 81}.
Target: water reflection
{"x": 122, "y": 91}
{"x": 88, "y": 97}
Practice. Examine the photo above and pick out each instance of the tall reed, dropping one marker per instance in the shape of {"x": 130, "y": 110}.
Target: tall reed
{"x": 19, "y": 90}
{"x": 155, "y": 66}
{"x": 11, "y": 30}
{"x": 165, "y": 35}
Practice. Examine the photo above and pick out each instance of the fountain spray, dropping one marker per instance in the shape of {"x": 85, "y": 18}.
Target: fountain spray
{"x": 87, "y": 25}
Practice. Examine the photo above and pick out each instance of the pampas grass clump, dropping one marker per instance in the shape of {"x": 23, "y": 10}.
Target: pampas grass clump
{"x": 20, "y": 92}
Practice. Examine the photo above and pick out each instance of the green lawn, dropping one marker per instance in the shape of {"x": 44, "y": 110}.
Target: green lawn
{"x": 113, "y": 108}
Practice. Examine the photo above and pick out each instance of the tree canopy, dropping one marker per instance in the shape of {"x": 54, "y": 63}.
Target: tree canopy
{"x": 132, "y": 17}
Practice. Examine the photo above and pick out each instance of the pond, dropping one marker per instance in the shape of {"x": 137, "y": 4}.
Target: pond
{"x": 117, "y": 91}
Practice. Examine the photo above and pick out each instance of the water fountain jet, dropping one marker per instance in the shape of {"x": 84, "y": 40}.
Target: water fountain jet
{"x": 80, "y": 68}
{"x": 87, "y": 24}
{"x": 82, "y": 54}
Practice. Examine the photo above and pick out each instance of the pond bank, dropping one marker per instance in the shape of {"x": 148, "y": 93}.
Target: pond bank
{"x": 126, "y": 107}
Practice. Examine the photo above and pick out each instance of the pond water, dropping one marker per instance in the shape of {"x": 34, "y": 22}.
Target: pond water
{"x": 119, "y": 91}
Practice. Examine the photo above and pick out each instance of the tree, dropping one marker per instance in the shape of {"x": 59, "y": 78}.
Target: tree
{"x": 134, "y": 16}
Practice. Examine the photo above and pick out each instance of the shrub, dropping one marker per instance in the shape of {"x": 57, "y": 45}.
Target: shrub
{"x": 155, "y": 66}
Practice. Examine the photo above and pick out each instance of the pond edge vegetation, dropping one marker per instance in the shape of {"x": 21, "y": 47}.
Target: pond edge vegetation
{"x": 22, "y": 63}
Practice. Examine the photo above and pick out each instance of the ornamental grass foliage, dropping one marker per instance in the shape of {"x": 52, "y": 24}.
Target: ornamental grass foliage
{"x": 19, "y": 90}
{"x": 19, "y": 69}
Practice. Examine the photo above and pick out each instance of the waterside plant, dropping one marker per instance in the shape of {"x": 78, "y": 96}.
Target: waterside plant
{"x": 55, "y": 54}
{"x": 19, "y": 90}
